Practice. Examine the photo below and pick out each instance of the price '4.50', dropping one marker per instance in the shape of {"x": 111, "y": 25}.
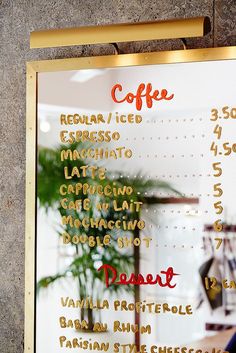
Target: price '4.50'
{"x": 227, "y": 149}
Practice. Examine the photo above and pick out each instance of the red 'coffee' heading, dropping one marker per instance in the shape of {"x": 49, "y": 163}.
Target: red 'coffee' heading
{"x": 144, "y": 92}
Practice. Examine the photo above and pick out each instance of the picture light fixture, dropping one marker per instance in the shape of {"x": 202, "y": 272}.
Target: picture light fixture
{"x": 124, "y": 32}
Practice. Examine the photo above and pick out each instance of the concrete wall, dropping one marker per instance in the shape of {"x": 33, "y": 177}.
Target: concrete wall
{"x": 17, "y": 19}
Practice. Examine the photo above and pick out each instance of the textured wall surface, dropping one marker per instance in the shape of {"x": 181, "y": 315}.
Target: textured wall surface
{"x": 17, "y": 19}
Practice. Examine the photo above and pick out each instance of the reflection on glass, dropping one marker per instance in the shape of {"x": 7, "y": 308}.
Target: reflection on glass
{"x": 161, "y": 196}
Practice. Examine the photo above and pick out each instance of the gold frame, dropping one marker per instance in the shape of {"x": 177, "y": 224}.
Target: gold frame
{"x": 33, "y": 68}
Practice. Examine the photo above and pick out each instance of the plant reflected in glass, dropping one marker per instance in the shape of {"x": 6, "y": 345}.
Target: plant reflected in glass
{"x": 87, "y": 259}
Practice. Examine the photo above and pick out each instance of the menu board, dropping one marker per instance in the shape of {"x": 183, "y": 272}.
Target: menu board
{"x": 135, "y": 212}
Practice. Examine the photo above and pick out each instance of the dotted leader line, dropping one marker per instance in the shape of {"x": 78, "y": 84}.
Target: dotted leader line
{"x": 162, "y": 121}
